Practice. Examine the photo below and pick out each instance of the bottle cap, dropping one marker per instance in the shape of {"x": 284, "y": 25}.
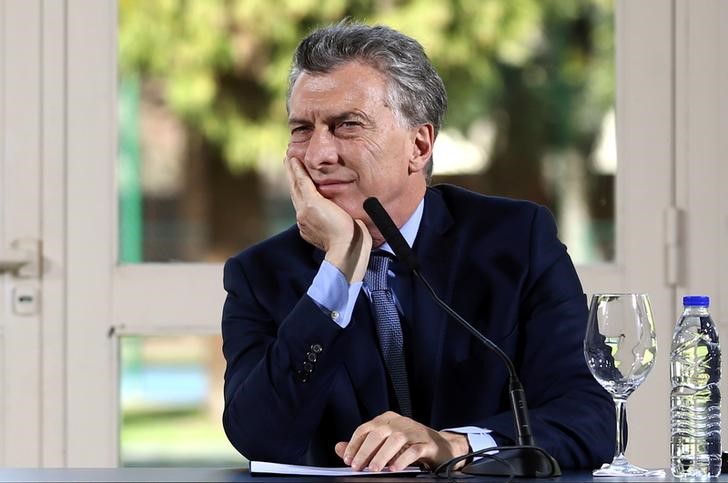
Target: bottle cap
{"x": 696, "y": 301}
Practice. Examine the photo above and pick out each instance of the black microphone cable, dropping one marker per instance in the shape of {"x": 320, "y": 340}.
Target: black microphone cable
{"x": 490, "y": 453}
{"x": 522, "y": 459}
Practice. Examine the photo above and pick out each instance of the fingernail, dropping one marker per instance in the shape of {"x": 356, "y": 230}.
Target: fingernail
{"x": 347, "y": 459}
{"x": 374, "y": 467}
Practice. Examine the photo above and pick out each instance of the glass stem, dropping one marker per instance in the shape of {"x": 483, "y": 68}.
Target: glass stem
{"x": 620, "y": 406}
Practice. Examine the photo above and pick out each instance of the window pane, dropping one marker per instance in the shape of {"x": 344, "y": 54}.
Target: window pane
{"x": 203, "y": 125}
{"x": 171, "y": 403}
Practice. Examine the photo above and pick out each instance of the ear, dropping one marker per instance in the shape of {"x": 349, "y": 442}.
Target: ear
{"x": 424, "y": 139}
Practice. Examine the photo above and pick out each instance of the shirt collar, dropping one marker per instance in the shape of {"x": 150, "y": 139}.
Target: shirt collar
{"x": 409, "y": 229}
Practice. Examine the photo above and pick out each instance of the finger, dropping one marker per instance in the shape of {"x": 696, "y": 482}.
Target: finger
{"x": 340, "y": 448}
{"x": 292, "y": 188}
{"x": 390, "y": 448}
{"x": 366, "y": 236}
{"x": 409, "y": 455}
{"x": 360, "y": 434}
{"x": 369, "y": 447}
{"x": 297, "y": 180}
{"x": 365, "y": 239}
{"x": 357, "y": 438}
{"x": 302, "y": 180}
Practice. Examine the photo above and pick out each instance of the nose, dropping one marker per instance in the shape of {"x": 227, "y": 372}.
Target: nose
{"x": 321, "y": 149}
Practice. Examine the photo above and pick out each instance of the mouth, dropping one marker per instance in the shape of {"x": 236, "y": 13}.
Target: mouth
{"x": 332, "y": 187}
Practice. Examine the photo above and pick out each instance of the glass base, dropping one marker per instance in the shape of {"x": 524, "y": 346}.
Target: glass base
{"x": 621, "y": 467}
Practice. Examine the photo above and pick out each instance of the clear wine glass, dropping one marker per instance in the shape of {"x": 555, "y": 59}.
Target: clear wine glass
{"x": 620, "y": 349}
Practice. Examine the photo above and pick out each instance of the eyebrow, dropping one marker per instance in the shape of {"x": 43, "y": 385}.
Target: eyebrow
{"x": 358, "y": 115}
{"x": 295, "y": 121}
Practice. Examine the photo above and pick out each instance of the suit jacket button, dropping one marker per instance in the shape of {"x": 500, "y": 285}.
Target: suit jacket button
{"x": 316, "y": 348}
{"x": 308, "y": 367}
{"x": 311, "y": 357}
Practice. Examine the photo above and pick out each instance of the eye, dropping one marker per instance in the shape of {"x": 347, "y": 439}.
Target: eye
{"x": 300, "y": 133}
{"x": 298, "y": 129}
{"x": 348, "y": 127}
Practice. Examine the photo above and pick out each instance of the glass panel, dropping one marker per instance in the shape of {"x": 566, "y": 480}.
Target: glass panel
{"x": 171, "y": 403}
{"x": 202, "y": 114}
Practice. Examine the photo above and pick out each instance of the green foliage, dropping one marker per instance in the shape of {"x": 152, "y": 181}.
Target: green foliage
{"x": 224, "y": 63}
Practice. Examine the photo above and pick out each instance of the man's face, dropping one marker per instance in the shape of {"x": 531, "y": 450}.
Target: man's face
{"x": 352, "y": 144}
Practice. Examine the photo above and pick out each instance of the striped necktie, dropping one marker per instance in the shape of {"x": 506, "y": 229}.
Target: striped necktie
{"x": 389, "y": 329}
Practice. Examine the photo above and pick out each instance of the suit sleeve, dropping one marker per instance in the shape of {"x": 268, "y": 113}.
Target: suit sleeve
{"x": 275, "y": 390}
{"x": 572, "y": 416}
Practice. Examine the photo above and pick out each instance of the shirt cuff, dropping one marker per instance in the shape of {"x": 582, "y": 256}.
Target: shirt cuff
{"x": 333, "y": 294}
{"x": 478, "y": 438}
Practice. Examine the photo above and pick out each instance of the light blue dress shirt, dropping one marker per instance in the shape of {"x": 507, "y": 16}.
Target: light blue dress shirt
{"x": 336, "y": 297}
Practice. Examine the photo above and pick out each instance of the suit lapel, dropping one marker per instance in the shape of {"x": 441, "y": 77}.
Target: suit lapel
{"x": 434, "y": 245}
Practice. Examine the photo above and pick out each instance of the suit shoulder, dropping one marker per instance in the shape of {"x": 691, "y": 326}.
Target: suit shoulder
{"x": 466, "y": 204}
{"x": 276, "y": 250}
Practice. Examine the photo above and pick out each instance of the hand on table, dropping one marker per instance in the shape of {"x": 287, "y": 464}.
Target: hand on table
{"x": 395, "y": 441}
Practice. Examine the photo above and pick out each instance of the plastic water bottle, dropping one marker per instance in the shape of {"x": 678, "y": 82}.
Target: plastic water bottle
{"x": 695, "y": 397}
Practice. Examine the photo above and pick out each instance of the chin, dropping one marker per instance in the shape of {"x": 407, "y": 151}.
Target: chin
{"x": 350, "y": 200}
{"x": 353, "y": 208}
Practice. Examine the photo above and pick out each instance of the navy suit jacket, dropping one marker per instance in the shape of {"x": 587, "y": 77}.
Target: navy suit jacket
{"x": 498, "y": 262}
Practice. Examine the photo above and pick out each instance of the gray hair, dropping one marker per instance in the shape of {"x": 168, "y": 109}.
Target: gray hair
{"x": 414, "y": 89}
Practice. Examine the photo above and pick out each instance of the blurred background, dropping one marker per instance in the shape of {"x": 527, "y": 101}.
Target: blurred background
{"x": 202, "y": 133}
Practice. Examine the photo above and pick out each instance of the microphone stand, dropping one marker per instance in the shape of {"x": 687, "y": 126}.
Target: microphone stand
{"x": 524, "y": 460}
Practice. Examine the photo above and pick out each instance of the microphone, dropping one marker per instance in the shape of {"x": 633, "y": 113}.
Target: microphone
{"x": 525, "y": 459}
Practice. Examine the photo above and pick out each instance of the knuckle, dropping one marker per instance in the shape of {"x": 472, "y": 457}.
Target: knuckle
{"x": 398, "y": 437}
{"x": 306, "y": 211}
{"x": 380, "y": 432}
{"x": 418, "y": 450}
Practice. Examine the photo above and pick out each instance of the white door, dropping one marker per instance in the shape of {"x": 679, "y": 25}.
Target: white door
{"x": 20, "y": 233}
{"x": 645, "y": 204}
{"x": 32, "y": 339}
{"x": 702, "y": 159}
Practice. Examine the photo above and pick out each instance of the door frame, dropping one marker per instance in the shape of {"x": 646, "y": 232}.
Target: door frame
{"x": 701, "y": 144}
{"x": 32, "y": 429}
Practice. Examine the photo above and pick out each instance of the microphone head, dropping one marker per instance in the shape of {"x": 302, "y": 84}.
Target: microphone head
{"x": 390, "y": 232}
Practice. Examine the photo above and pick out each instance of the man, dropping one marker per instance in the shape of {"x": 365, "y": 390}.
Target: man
{"x": 318, "y": 372}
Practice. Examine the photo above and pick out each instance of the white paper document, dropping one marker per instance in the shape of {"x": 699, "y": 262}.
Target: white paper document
{"x": 263, "y": 467}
